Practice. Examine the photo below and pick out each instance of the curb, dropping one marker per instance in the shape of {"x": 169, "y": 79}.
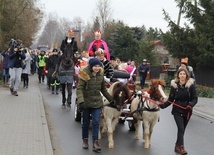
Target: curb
{"x": 203, "y": 115}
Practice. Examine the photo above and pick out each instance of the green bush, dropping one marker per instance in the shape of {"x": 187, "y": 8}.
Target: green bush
{"x": 204, "y": 91}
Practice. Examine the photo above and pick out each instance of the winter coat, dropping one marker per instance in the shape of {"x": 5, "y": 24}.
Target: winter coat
{"x": 108, "y": 68}
{"x": 51, "y": 63}
{"x": 27, "y": 61}
{"x": 6, "y": 59}
{"x": 90, "y": 87}
{"x": 16, "y": 58}
{"x": 182, "y": 95}
{"x": 73, "y": 44}
{"x": 143, "y": 69}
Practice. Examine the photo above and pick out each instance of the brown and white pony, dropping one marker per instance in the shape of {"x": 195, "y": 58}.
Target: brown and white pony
{"x": 112, "y": 112}
{"x": 145, "y": 108}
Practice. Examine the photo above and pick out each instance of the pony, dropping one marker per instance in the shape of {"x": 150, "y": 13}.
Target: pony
{"x": 145, "y": 108}
{"x": 65, "y": 74}
{"x": 112, "y": 112}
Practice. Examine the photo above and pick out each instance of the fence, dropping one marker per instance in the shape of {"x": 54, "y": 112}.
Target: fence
{"x": 203, "y": 77}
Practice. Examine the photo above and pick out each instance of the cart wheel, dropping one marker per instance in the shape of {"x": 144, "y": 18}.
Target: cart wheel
{"x": 77, "y": 114}
{"x": 131, "y": 125}
{"x": 120, "y": 120}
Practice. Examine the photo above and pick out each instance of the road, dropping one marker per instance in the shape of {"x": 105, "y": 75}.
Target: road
{"x": 66, "y": 133}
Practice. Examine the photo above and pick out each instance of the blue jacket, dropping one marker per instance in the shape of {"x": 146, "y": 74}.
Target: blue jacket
{"x": 6, "y": 59}
{"x": 13, "y": 55}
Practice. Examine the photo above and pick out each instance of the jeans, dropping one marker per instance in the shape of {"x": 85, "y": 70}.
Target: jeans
{"x": 15, "y": 77}
{"x": 94, "y": 114}
{"x": 6, "y": 75}
{"x": 181, "y": 123}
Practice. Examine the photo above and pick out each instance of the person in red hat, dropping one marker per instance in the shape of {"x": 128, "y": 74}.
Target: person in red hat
{"x": 98, "y": 43}
{"x": 184, "y": 64}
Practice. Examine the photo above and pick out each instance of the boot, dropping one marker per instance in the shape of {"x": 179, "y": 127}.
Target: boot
{"x": 96, "y": 146}
{"x": 57, "y": 90}
{"x": 180, "y": 149}
{"x": 85, "y": 144}
{"x": 177, "y": 148}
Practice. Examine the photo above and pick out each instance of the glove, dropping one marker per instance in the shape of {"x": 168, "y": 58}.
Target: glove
{"x": 94, "y": 48}
{"x": 189, "y": 108}
{"x": 161, "y": 106}
{"x": 106, "y": 79}
{"x": 81, "y": 106}
{"x": 55, "y": 74}
{"x": 112, "y": 102}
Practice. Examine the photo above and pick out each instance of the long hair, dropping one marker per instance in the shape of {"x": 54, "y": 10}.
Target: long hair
{"x": 177, "y": 74}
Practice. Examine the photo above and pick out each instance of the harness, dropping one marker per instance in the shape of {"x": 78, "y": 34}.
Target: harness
{"x": 114, "y": 105}
{"x": 144, "y": 100}
{"x": 143, "y": 104}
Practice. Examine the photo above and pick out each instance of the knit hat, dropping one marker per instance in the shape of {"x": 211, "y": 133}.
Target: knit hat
{"x": 144, "y": 60}
{"x": 93, "y": 62}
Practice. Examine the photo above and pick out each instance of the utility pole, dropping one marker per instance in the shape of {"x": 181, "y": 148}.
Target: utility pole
{"x": 80, "y": 31}
{"x": 180, "y": 10}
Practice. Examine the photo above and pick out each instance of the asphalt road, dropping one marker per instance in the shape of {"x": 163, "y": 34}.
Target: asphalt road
{"x": 66, "y": 133}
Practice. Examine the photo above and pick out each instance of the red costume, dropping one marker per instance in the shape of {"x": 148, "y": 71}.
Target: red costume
{"x": 98, "y": 43}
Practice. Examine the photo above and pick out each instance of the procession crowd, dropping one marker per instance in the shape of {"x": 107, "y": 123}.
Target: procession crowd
{"x": 66, "y": 68}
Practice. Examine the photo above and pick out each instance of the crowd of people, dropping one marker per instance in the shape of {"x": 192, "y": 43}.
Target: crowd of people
{"x": 91, "y": 70}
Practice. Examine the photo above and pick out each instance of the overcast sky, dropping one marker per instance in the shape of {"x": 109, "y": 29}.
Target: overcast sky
{"x": 131, "y": 12}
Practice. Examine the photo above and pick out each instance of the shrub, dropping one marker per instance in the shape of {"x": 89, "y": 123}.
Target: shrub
{"x": 204, "y": 91}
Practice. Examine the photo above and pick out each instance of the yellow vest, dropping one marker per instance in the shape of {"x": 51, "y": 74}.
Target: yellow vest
{"x": 42, "y": 60}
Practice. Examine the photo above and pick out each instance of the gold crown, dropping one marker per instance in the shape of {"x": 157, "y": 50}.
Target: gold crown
{"x": 70, "y": 31}
{"x": 98, "y": 32}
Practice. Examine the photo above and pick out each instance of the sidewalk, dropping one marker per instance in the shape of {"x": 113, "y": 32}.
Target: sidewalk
{"x": 205, "y": 108}
{"x": 23, "y": 125}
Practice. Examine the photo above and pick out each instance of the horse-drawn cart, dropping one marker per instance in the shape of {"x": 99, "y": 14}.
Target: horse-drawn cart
{"x": 122, "y": 76}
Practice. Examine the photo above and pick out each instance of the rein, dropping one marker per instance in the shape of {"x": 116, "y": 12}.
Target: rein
{"x": 179, "y": 106}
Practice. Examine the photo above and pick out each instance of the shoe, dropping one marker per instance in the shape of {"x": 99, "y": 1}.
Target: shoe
{"x": 177, "y": 148}
{"x": 85, "y": 144}
{"x": 57, "y": 92}
{"x": 69, "y": 106}
{"x": 96, "y": 146}
{"x": 15, "y": 93}
{"x": 63, "y": 106}
{"x": 11, "y": 91}
{"x": 52, "y": 92}
{"x": 180, "y": 149}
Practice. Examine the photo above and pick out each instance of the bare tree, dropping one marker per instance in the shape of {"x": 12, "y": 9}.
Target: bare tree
{"x": 104, "y": 13}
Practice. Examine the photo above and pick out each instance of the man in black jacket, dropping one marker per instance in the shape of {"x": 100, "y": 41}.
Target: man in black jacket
{"x": 143, "y": 70}
{"x": 69, "y": 40}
